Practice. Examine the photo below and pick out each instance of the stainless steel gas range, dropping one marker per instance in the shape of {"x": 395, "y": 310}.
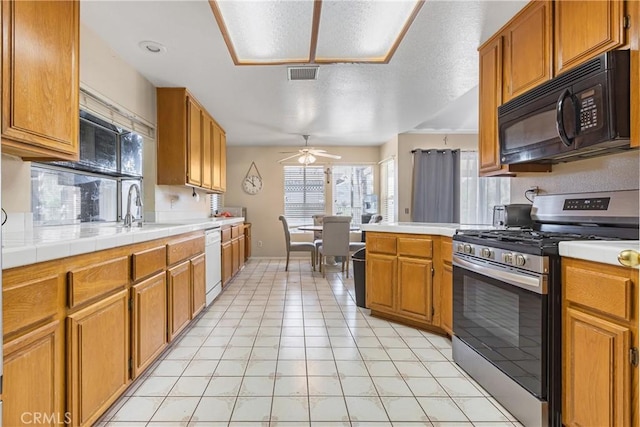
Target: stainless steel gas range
{"x": 507, "y": 298}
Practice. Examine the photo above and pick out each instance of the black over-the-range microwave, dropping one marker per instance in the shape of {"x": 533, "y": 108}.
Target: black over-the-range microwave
{"x": 581, "y": 113}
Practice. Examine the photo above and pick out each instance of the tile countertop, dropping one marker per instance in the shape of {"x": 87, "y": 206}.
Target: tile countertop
{"x": 433, "y": 228}
{"x": 598, "y": 251}
{"x": 54, "y": 242}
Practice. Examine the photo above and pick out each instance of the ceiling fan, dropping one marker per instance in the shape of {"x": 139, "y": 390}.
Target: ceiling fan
{"x": 307, "y": 155}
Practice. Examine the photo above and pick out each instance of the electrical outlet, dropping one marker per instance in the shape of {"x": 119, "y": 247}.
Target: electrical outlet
{"x": 259, "y": 243}
{"x": 406, "y": 210}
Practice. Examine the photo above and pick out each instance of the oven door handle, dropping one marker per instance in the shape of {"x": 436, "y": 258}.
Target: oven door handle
{"x": 537, "y": 284}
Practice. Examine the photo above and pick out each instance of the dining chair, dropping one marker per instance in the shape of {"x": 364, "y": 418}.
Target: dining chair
{"x": 354, "y": 246}
{"x": 317, "y": 236}
{"x": 297, "y": 246}
{"x": 335, "y": 240}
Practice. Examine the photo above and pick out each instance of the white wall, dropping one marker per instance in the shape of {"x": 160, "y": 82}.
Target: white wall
{"x": 408, "y": 142}
{"x": 264, "y": 208}
{"x": 613, "y": 172}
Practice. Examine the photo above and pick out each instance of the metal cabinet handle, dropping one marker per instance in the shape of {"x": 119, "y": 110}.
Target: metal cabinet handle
{"x": 629, "y": 258}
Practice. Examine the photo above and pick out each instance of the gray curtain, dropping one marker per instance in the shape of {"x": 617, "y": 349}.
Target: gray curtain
{"x": 436, "y": 186}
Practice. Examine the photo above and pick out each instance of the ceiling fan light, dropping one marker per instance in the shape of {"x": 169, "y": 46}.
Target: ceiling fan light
{"x": 310, "y": 159}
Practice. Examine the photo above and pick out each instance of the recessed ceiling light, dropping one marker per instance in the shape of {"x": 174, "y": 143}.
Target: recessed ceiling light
{"x": 152, "y": 47}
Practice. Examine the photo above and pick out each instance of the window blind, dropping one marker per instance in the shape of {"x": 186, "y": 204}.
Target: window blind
{"x": 115, "y": 115}
{"x": 303, "y": 192}
{"x": 387, "y": 190}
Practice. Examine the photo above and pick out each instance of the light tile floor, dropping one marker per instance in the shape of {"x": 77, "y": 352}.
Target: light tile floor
{"x": 293, "y": 349}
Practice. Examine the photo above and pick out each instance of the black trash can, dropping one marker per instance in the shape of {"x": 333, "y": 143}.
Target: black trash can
{"x": 359, "y": 277}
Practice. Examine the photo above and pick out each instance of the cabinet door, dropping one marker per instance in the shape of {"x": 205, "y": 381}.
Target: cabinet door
{"x": 490, "y": 95}
{"x": 32, "y": 377}
{"x": 179, "y": 285}
{"x": 235, "y": 256}
{"x": 194, "y": 143}
{"x": 584, "y": 29}
{"x": 527, "y": 50}
{"x": 415, "y": 288}
{"x": 217, "y": 157}
{"x": 207, "y": 152}
{"x": 446, "y": 299}
{"x": 40, "y": 84}
{"x": 149, "y": 319}
{"x": 226, "y": 262}
{"x": 98, "y": 357}
{"x": 596, "y": 371}
{"x": 223, "y": 161}
{"x": 381, "y": 282}
{"x": 198, "y": 284}
{"x": 241, "y": 248}
{"x": 247, "y": 241}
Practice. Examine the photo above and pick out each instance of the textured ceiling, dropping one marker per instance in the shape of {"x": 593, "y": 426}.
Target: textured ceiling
{"x": 430, "y": 84}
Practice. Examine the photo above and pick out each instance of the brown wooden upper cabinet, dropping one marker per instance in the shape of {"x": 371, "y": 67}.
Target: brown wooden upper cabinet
{"x": 191, "y": 147}
{"x": 513, "y": 61}
{"x": 585, "y": 29}
{"x": 40, "y": 79}
{"x": 527, "y": 50}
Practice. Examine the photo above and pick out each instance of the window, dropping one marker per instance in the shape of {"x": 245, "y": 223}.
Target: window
{"x": 387, "y": 190}
{"x": 95, "y": 188}
{"x": 353, "y": 191}
{"x": 215, "y": 203}
{"x": 478, "y": 195}
{"x": 303, "y": 193}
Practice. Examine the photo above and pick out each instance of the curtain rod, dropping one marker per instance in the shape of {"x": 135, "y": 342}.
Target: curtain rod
{"x": 443, "y": 149}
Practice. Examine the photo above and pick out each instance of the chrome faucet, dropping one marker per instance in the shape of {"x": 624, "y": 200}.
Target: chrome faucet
{"x": 128, "y": 218}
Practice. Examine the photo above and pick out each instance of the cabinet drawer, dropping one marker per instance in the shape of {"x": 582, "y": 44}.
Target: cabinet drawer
{"x": 147, "y": 262}
{"x": 29, "y": 303}
{"x": 601, "y": 291}
{"x": 415, "y": 246}
{"x": 98, "y": 279}
{"x": 226, "y": 233}
{"x": 183, "y": 249}
{"x": 235, "y": 231}
{"x": 381, "y": 244}
{"x": 447, "y": 250}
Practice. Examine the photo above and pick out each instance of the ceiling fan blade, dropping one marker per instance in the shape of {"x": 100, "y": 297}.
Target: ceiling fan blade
{"x": 288, "y": 158}
{"x": 314, "y": 151}
{"x": 332, "y": 156}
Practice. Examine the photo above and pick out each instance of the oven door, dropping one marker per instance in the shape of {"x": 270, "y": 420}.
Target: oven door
{"x": 502, "y": 315}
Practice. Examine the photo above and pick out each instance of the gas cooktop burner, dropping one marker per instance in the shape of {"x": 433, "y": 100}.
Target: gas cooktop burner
{"x": 532, "y": 236}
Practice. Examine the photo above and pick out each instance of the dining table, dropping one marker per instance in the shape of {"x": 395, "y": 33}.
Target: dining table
{"x": 319, "y": 228}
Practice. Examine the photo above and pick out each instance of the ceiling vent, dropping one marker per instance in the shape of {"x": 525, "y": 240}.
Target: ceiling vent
{"x": 302, "y": 73}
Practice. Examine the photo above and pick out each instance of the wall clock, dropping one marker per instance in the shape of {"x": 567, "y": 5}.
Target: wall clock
{"x": 252, "y": 183}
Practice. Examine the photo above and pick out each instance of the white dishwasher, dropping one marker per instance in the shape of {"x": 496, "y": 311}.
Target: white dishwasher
{"x": 213, "y": 259}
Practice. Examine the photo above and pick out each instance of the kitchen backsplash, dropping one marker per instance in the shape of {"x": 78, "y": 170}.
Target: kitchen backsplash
{"x": 613, "y": 172}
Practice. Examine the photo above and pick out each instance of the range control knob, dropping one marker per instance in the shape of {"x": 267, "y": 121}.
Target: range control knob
{"x": 520, "y": 260}
{"x": 460, "y": 247}
{"x": 507, "y": 258}
{"x": 486, "y": 253}
{"x": 468, "y": 249}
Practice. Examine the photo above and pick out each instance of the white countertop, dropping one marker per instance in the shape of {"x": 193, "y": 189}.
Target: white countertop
{"x": 54, "y": 242}
{"x": 433, "y": 228}
{"x": 598, "y": 251}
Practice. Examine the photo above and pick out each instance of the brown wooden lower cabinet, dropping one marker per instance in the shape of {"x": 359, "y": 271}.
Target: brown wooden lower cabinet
{"x": 403, "y": 277}
{"x": 149, "y": 321}
{"x": 241, "y": 255}
{"x": 179, "y": 286}
{"x": 97, "y": 357}
{"x": 446, "y": 299}
{"x": 600, "y": 336}
{"x": 78, "y": 331}
{"x": 235, "y": 256}
{"x": 381, "y": 279}
{"x": 198, "y": 284}
{"x": 227, "y": 271}
{"x": 32, "y": 378}
{"x": 415, "y": 287}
